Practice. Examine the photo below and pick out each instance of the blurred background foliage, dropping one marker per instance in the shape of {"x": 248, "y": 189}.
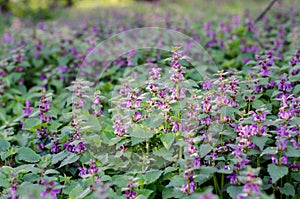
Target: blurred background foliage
{"x": 39, "y": 10}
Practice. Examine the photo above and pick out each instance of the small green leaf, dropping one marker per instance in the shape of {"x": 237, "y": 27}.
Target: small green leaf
{"x": 76, "y": 191}
{"x": 234, "y": 191}
{"x": 151, "y": 176}
{"x": 259, "y": 141}
{"x": 288, "y": 189}
{"x": 228, "y": 111}
{"x": 205, "y": 149}
{"x": 4, "y": 145}
{"x": 138, "y": 132}
{"x": 28, "y": 155}
{"x": 269, "y": 150}
{"x": 167, "y": 140}
{"x": 69, "y": 160}
{"x": 32, "y": 123}
{"x": 60, "y": 156}
{"x": 292, "y": 152}
{"x": 145, "y": 192}
{"x": 277, "y": 172}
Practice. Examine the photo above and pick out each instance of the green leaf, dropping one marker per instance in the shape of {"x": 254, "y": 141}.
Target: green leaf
{"x": 145, "y": 192}
{"x": 257, "y": 104}
{"x": 292, "y": 152}
{"x": 259, "y": 141}
{"x": 28, "y": 155}
{"x": 269, "y": 150}
{"x": 31, "y": 177}
{"x": 4, "y": 182}
{"x": 151, "y": 176}
{"x": 228, "y": 111}
{"x": 167, "y": 140}
{"x": 120, "y": 180}
{"x": 167, "y": 193}
{"x": 69, "y": 160}
{"x": 277, "y": 172}
{"x": 176, "y": 181}
{"x": 288, "y": 189}
{"x": 296, "y": 89}
{"x": 76, "y": 191}
{"x": 84, "y": 193}
{"x": 155, "y": 120}
{"x": 234, "y": 191}
{"x": 138, "y": 132}
{"x": 28, "y": 188}
{"x": 4, "y": 145}
{"x": 60, "y": 156}
{"x": 32, "y": 123}
{"x": 296, "y": 176}
{"x": 205, "y": 149}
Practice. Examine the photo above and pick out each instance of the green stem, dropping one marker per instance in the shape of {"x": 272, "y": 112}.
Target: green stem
{"x": 217, "y": 186}
{"x": 180, "y": 152}
{"x": 248, "y": 107}
{"x": 222, "y": 181}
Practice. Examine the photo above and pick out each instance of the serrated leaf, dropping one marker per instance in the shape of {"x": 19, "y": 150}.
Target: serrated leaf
{"x": 69, "y": 160}
{"x": 167, "y": 140}
{"x": 60, "y": 156}
{"x": 259, "y": 141}
{"x": 151, "y": 176}
{"x": 234, "y": 191}
{"x": 296, "y": 89}
{"x": 28, "y": 155}
{"x": 145, "y": 192}
{"x": 268, "y": 151}
{"x": 228, "y": 111}
{"x": 84, "y": 193}
{"x": 176, "y": 181}
{"x": 138, "y": 132}
{"x": 205, "y": 149}
{"x": 167, "y": 192}
{"x": 257, "y": 104}
{"x": 288, "y": 189}
{"x": 31, "y": 123}
{"x": 277, "y": 172}
{"x": 4, "y": 145}
{"x": 292, "y": 152}
{"x": 76, "y": 191}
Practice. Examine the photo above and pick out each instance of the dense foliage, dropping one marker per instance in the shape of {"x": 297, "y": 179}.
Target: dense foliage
{"x": 154, "y": 127}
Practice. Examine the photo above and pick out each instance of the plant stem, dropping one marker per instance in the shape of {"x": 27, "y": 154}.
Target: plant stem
{"x": 217, "y": 187}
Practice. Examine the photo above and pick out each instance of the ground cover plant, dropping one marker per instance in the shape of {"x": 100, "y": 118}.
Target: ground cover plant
{"x": 151, "y": 126}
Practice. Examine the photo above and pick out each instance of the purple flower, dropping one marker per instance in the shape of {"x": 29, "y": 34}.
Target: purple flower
{"x": 281, "y": 145}
{"x": 27, "y": 110}
{"x": 175, "y": 126}
{"x": 178, "y": 76}
{"x": 62, "y": 69}
{"x": 284, "y": 160}
{"x": 207, "y": 196}
{"x": 83, "y": 171}
{"x": 233, "y": 178}
{"x": 207, "y": 84}
{"x": 285, "y": 114}
{"x": 175, "y": 65}
{"x": 97, "y": 100}
{"x": 50, "y": 191}
{"x": 197, "y": 162}
{"x": 137, "y": 116}
{"x": 192, "y": 150}
{"x": 55, "y": 148}
{"x": 284, "y": 84}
